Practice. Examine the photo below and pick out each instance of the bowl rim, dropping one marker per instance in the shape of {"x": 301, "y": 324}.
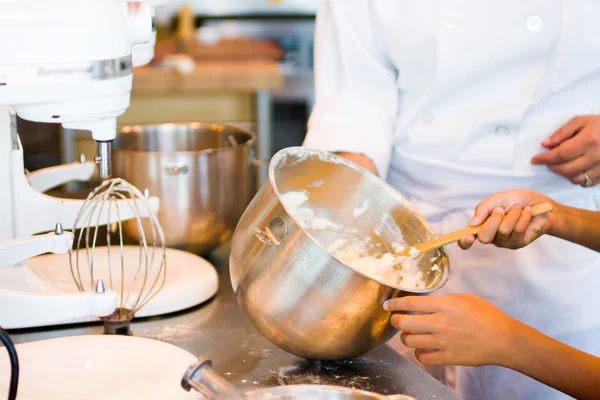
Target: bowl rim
{"x": 334, "y": 388}
{"x": 326, "y": 156}
{"x": 130, "y": 129}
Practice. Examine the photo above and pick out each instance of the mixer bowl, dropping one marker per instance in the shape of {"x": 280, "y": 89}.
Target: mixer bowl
{"x": 202, "y": 173}
{"x": 297, "y": 294}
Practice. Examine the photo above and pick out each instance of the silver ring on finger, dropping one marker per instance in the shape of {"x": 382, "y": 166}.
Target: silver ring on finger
{"x": 588, "y": 182}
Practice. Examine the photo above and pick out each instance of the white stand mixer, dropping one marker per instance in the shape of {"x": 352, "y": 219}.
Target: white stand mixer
{"x": 72, "y": 64}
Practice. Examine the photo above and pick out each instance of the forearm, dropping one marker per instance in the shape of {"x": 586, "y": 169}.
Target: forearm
{"x": 578, "y": 226}
{"x": 553, "y": 363}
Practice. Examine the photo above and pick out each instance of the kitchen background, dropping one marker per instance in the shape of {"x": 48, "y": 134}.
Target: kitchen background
{"x": 243, "y": 62}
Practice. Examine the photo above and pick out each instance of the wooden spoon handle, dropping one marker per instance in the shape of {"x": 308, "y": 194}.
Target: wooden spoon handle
{"x": 461, "y": 233}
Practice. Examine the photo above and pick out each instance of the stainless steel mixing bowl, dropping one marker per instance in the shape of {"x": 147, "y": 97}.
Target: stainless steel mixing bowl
{"x": 295, "y": 292}
{"x": 202, "y": 378}
{"x": 202, "y": 173}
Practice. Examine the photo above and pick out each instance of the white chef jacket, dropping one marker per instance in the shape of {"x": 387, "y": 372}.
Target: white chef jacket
{"x": 451, "y": 99}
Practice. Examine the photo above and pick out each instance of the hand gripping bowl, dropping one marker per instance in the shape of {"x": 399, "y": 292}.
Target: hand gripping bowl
{"x": 295, "y": 292}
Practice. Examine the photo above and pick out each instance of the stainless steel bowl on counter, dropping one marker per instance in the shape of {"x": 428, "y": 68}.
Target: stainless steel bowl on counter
{"x": 202, "y": 173}
{"x": 297, "y": 294}
{"x": 202, "y": 378}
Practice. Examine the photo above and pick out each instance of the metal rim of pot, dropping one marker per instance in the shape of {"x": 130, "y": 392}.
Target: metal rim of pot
{"x": 330, "y": 157}
{"x": 251, "y": 142}
{"x": 307, "y": 387}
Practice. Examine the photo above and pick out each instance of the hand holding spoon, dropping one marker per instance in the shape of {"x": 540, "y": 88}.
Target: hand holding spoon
{"x": 455, "y": 236}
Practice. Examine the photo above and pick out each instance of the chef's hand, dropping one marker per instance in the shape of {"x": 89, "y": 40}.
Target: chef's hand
{"x": 507, "y": 220}
{"x": 360, "y": 160}
{"x": 574, "y": 150}
{"x": 456, "y": 329}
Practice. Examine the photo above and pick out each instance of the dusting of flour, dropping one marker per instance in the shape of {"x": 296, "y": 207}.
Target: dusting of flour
{"x": 360, "y": 252}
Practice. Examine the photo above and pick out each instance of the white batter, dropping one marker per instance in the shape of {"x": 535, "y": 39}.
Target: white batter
{"x": 360, "y": 253}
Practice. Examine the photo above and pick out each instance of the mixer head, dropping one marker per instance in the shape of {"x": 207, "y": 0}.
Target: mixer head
{"x": 98, "y": 251}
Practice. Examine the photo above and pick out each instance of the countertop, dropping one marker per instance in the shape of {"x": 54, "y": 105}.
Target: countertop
{"x": 243, "y": 76}
{"x": 220, "y": 331}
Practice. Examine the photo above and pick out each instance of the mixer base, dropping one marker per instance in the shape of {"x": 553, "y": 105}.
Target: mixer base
{"x": 191, "y": 280}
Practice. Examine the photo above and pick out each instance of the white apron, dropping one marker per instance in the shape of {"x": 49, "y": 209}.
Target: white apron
{"x": 451, "y": 100}
{"x": 551, "y": 285}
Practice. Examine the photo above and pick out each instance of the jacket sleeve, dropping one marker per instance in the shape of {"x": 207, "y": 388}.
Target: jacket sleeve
{"x": 356, "y": 97}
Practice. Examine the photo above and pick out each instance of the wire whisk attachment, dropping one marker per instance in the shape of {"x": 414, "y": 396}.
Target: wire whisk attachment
{"x": 99, "y": 251}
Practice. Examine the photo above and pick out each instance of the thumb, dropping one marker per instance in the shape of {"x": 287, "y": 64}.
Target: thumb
{"x": 466, "y": 242}
{"x": 483, "y": 211}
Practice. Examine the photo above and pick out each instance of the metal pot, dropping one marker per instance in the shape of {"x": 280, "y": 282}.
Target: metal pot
{"x": 295, "y": 292}
{"x": 202, "y": 173}
{"x": 202, "y": 378}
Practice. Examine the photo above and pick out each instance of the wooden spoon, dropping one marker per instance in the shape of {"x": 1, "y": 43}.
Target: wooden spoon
{"x": 452, "y": 237}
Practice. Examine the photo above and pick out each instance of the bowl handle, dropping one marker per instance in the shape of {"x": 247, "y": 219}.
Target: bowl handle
{"x": 176, "y": 169}
{"x": 201, "y": 377}
{"x": 274, "y": 233}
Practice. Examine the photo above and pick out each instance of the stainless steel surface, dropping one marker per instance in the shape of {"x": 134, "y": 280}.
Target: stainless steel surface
{"x": 202, "y": 378}
{"x": 203, "y": 182}
{"x": 298, "y": 295}
{"x": 135, "y": 284}
{"x": 104, "y": 159}
{"x": 219, "y": 330}
{"x": 265, "y": 137}
{"x": 58, "y": 229}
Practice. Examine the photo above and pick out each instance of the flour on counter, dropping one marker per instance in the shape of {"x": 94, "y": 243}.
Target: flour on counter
{"x": 361, "y": 253}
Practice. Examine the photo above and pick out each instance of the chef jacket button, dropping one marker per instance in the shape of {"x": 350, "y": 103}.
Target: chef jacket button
{"x": 428, "y": 119}
{"x": 534, "y": 23}
{"x": 501, "y": 130}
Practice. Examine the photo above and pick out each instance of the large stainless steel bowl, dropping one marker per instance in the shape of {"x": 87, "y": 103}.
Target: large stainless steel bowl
{"x": 295, "y": 292}
{"x": 201, "y": 377}
{"x": 202, "y": 174}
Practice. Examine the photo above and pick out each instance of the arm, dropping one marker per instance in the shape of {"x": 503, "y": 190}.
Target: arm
{"x": 467, "y": 330}
{"x": 507, "y": 221}
{"x": 578, "y": 226}
{"x": 555, "y": 364}
{"x": 356, "y": 93}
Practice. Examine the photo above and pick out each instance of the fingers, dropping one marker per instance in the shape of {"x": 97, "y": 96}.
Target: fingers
{"x": 593, "y": 174}
{"x": 523, "y": 222}
{"x": 564, "y": 152}
{"x": 419, "y": 340}
{"x": 574, "y": 168}
{"x": 488, "y": 232}
{"x": 466, "y": 242}
{"x": 565, "y": 132}
{"x": 413, "y": 323}
{"x": 425, "y": 304}
{"x": 507, "y": 226}
{"x": 432, "y": 357}
{"x": 504, "y": 200}
{"x": 486, "y": 207}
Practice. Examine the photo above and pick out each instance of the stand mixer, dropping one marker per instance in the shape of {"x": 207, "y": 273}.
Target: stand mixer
{"x": 71, "y": 63}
